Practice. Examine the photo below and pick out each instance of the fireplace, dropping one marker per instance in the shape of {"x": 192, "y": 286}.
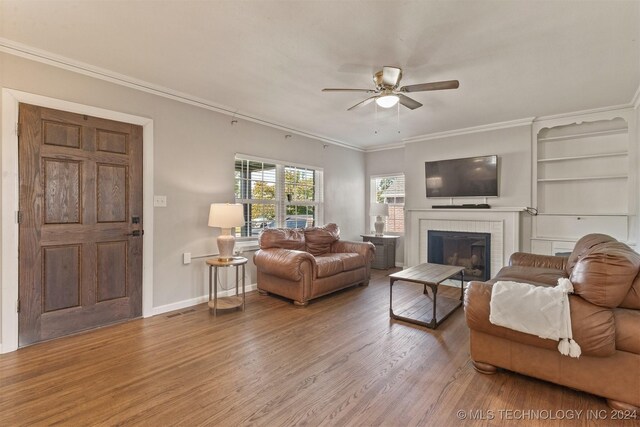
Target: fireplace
{"x": 466, "y": 249}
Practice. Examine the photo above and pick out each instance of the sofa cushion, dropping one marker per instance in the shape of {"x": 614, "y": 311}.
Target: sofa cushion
{"x": 533, "y": 275}
{"x": 329, "y": 265}
{"x": 627, "y": 330}
{"x": 605, "y": 273}
{"x": 352, "y": 261}
{"x": 319, "y": 239}
{"x": 335, "y": 263}
{"x": 285, "y": 238}
{"x": 584, "y": 245}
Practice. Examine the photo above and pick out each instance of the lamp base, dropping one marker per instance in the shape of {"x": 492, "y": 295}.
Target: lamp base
{"x": 379, "y": 226}
{"x": 226, "y": 242}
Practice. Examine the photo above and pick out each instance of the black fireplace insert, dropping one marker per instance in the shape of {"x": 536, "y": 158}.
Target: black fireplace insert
{"x": 465, "y": 249}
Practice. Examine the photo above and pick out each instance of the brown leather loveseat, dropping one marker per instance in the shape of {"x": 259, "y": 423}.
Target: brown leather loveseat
{"x": 302, "y": 264}
{"x": 605, "y": 317}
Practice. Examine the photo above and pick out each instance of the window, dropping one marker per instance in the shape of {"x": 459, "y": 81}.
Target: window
{"x": 277, "y": 195}
{"x": 390, "y": 190}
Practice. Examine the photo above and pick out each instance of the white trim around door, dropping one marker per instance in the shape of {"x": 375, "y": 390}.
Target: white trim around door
{"x": 10, "y": 202}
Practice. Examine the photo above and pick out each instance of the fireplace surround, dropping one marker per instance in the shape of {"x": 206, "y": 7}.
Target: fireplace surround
{"x": 505, "y": 225}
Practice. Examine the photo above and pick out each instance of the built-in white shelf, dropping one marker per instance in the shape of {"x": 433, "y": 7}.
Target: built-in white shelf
{"x": 583, "y": 135}
{"x": 589, "y": 156}
{"x": 583, "y": 178}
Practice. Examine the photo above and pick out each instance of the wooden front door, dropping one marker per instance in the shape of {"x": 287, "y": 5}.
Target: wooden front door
{"x": 80, "y": 220}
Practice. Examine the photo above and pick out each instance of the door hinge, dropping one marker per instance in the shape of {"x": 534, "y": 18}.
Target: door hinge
{"x": 18, "y": 306}
{"x": 18, "y": 129}
{"x": 19, "y": 217}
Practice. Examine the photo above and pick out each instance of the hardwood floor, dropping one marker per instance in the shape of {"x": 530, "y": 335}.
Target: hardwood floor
{"x": 339, "y": 361}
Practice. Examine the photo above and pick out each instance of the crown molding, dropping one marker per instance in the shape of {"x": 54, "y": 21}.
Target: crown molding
{"x": 59, "y": 61}
{"x": 635, "y": 103}
{"x": 584, "y": 112}
{"x": 387, "y": 147}
{"x": 474, "y": 129}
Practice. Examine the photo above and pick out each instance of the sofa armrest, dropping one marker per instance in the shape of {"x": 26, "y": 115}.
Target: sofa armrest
{"x": 524, "y": 259}
{"x": 477, "y": 298}
{"x": 283, "y": 263}
{"x": 593, "y": 326}
{"x": 366, "y": 249}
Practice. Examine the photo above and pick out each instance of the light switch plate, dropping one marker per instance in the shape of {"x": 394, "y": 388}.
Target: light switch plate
{"x": 186, "y": 258}
{"x": 160, "y": 201}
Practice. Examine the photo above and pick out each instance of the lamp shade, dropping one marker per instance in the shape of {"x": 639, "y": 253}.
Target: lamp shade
{"x": 226, "y": 215}
{"x": 379, "y": 209}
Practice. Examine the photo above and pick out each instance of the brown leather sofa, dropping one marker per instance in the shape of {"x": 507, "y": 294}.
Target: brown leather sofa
{"x": 605, "y": 317}
{"x": 302, "y": 264}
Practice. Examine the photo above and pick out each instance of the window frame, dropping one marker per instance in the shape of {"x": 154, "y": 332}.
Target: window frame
{"x": 280, "y": 200}
{"x": 373, "y": 199}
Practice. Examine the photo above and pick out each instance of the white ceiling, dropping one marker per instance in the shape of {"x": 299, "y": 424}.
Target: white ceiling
{"x": 270, "y": 59}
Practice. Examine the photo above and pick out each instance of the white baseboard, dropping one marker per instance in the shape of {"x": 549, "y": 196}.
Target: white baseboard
{"x": 195, "y": 301}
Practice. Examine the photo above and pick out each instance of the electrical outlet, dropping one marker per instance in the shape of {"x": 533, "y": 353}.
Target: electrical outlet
{"x": 160, "y": 201}
{"x": 186, "y": 258}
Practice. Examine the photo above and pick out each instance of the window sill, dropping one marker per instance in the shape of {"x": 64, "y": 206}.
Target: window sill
{"x": 247, "y": 245}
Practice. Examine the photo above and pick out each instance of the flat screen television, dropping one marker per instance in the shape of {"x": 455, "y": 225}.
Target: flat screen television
{"x": 468, "y": 177}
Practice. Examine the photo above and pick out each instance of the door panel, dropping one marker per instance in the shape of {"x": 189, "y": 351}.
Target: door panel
{"x": 112, "y": 142}
{"x": 61, "y": 191}
{"x": 62, "y": 134}
{"x": 80, "y": 184}
{"x": 112, "y": 193}
{"x": 112, "y": 283}
{"x": 61, "y": 278}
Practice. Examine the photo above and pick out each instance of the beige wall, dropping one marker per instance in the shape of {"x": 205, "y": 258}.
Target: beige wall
{"x": 194, "y": 151}
{"x": 512, "y": 145}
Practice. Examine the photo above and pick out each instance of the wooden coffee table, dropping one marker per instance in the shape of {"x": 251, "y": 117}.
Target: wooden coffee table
{"x": 423, "y": 310}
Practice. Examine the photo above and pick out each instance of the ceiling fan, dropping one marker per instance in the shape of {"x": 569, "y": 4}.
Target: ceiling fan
{"x": 387, "y": 93}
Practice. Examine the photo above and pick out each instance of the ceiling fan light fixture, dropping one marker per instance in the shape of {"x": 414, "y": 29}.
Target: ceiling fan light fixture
{"x": 388, "y": 92}
{"x": 387, "y": 101}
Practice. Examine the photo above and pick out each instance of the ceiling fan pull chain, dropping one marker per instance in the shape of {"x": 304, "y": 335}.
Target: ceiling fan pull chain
{"x": 398, "y": 122}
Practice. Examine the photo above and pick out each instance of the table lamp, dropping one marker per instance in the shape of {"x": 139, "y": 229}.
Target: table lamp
{"x": 226, "y": 216}
{"x": 379, "y": 210}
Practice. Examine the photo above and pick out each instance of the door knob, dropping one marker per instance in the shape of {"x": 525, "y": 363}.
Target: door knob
{"x": 136, "y": 233}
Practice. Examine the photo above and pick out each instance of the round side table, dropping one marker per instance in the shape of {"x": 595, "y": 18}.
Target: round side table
{"x": 224, "y": 303}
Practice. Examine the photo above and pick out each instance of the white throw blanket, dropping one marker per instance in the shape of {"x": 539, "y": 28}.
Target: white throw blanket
{"x": 536, "y": 310}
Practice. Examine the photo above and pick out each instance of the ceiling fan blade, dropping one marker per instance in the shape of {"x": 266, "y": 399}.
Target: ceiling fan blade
{"x": 391, "y": 76}
{"x": 348, "y": 90}
{"x": 449, "y": 84}
{"x": 408, "y": 102}
{"x": 362, "y": 103}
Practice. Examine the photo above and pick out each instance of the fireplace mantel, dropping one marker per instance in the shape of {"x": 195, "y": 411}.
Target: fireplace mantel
{"x": 503, "y": 223}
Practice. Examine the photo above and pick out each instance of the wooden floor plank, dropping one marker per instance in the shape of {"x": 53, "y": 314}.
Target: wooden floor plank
{"x": 339, "y": 361}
